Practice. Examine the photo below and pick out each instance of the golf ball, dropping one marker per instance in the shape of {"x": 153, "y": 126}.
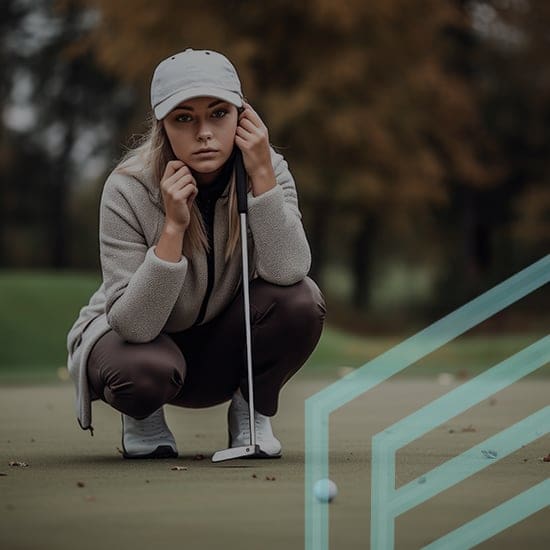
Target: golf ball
{"x": 325, "y": 490}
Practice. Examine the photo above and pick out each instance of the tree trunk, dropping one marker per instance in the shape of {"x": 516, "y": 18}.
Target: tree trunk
{"x": 317, "y": 236}
{"x": 477, "y": 237}
{"x": 362, "y": 261}
{"x": 59, "y": 230}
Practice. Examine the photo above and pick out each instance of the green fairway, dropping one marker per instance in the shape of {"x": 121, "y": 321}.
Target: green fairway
{"x": 37, "y": 310}
{"x": 463, "y": 357}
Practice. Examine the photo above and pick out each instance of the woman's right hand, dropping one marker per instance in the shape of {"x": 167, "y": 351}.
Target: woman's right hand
{"x": 179, "y": 189}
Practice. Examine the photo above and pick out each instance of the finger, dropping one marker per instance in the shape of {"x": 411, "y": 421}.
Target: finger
{"x": 172, "y": 167}
{"x": 247, "y": 124}
{"x": 245, "y": 134}
{"x": 187, "y": 193}
{"x": 241, "y": 143}
{"x": 246, "y": 140}
{"x": 168, "y": 181}
{"x": 251, "y": 114}
{"x": 182, "y": 182}
{"x": 184, "y": 170}
{"x": 178, "y": 174}
{"x": 192, "y": 196}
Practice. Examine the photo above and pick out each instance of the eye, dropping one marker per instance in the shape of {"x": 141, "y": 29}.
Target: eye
{"x": 183, "y": 118}
{"x": 220, "y": 113}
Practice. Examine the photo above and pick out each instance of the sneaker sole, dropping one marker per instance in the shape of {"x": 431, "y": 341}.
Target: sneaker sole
{"x": 162, "y": 451}
{"x": 262, "y": 454}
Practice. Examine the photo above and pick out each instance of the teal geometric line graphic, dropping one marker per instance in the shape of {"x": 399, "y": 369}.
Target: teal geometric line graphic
{"x": 390, "y": 503}
{"x": 319, "y": 406}
{"x": 470, "y": 462}
{"x": 496, "y": 520}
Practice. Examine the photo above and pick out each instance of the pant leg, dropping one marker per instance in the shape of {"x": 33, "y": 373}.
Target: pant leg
{"x": 286, "y": 325}
{"x": 135, "y": 379}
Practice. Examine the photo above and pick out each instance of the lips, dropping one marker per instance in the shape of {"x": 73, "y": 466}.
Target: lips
{"x": 203, "y": 151}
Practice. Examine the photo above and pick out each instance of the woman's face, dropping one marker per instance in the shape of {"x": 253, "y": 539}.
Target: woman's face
{"x": 202, "y": 124}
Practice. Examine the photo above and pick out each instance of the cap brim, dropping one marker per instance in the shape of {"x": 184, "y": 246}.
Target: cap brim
{"x": 164, "y": 107}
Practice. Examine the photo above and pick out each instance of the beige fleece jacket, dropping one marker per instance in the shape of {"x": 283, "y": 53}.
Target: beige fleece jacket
{"x": 142, "y": 295}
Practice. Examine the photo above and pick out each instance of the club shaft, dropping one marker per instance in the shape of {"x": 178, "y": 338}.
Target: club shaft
{"x": 244, "y": 246}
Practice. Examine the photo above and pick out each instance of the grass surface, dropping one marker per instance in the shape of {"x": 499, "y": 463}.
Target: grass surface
{"x": 463, "y": 356}
{"x": 38, "y": 309}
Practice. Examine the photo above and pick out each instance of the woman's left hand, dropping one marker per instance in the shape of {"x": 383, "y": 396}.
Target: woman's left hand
{"x": 252, "y": 138}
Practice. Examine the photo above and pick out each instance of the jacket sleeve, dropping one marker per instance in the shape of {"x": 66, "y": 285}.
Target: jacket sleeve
{"x": 140, "y": 288}
{"x": 283, "y": 255}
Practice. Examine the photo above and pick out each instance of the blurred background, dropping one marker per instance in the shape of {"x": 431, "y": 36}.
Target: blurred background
{"x": 418, "y": 133}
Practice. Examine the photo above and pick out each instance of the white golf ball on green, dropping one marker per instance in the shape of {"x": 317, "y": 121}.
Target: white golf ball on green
{"x": 325, "y": 490}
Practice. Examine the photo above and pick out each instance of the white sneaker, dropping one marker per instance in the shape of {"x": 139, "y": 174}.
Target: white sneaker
{"x": 239, "y": 428}
{"x": 147, "y": 438}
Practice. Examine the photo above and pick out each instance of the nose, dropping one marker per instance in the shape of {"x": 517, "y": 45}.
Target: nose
{"x": 204, "y": 133}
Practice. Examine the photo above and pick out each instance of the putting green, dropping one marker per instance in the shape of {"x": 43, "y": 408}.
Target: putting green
{"x": 77, "y": 491}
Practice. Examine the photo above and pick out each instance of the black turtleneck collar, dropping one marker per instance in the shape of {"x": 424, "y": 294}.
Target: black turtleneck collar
{"x": 215, "y": 189}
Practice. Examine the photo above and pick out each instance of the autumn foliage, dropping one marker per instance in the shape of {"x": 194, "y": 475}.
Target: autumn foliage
{"x": 415, "y": 130}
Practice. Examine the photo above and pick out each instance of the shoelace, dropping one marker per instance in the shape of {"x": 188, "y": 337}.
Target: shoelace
{"x": 258, "y": 422}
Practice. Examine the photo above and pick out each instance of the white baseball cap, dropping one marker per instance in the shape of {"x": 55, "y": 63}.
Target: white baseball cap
{"x": 193, "y": 73}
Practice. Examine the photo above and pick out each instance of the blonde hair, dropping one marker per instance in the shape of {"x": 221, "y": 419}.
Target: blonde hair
{"x": 154, "y": 151}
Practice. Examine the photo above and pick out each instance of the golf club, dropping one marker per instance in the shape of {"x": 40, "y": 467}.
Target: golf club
{"x": 252, "y": 450}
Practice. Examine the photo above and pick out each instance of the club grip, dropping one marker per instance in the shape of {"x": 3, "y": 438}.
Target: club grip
{"x": 241, "y": 183}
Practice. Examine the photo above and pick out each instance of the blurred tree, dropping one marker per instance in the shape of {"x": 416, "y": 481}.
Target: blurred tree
{"x": 403, "y": 122}
{"x": 518, "y": 114}
{"x": 61, "y": 94}
{"x": 497, "y": 229}
{"x": 11, "y": 14}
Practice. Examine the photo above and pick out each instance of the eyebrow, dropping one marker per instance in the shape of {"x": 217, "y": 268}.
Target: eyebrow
{"x": 187, "y": 108}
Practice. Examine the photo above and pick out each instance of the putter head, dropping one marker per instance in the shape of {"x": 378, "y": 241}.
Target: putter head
{"x": 236, "y": 452}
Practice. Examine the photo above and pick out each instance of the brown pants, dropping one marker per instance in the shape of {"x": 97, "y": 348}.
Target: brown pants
{"x": 204, "y": 365}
